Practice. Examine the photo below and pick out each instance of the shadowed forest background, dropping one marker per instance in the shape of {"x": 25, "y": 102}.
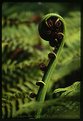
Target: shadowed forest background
{"x": 22, "y": 52}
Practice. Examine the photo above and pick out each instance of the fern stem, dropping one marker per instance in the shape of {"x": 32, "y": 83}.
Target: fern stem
{"x": 47, "y": 76}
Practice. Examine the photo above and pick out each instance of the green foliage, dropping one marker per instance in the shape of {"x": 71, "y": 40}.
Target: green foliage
{"x": 67, "y": 103}
{"x": 73, "y": 90}
{"x": 22, "y": 52}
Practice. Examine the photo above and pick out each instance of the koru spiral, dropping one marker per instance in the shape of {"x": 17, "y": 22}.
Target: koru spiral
{"x": 51, "y": 29}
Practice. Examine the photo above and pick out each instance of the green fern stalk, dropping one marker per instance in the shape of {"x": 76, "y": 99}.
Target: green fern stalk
{"x": 50, "y": 68}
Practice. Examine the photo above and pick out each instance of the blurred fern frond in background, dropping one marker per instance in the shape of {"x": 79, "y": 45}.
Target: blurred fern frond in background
{"x": 22, "y": 52}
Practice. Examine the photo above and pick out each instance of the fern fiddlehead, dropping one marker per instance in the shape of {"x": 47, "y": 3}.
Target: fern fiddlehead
{"x": 52, "y": 29}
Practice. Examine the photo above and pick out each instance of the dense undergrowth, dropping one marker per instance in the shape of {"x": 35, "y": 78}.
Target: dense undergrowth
{"x": 22, "y": 52}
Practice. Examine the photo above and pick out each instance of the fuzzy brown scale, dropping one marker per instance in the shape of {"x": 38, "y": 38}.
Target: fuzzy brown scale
{"x": 52, "y": 31}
